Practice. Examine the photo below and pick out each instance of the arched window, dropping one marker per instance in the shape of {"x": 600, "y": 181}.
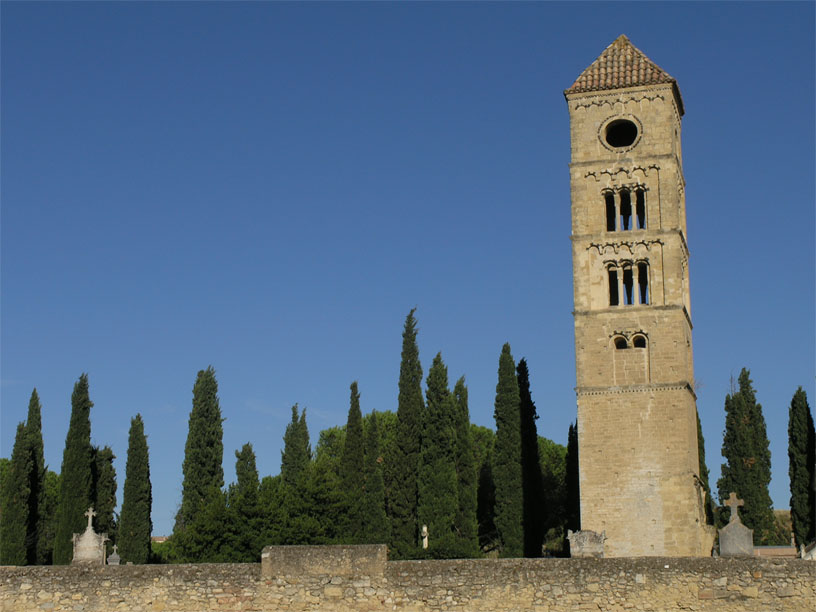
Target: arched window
{"x": 620, "y": 343}
{"x": 639, "y": 341}
{"x": 625, "y": 209}
{"x": 628, "y": 285}
{"x": 640, "y": 208}
{"x": 614, "y": 298}
{"x": 611, "y": 212}
{"x": 643, "y": 281}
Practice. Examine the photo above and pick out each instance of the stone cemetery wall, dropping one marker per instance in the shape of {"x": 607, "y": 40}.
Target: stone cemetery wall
{"x": 346, "y": 579}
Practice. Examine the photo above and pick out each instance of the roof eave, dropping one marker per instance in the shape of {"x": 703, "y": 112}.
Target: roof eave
{"x": 678, "y": 99}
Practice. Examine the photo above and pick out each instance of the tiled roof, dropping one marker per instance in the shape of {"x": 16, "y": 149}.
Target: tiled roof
{"x": 620, "y": 65}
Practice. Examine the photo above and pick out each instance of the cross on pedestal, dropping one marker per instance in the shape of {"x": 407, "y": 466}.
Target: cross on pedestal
{"x": 734, "y": 504}
{"x": 90, "y": 514}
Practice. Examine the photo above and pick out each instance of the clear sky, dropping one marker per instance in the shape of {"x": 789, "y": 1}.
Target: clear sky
{"x": 270, "y": 188}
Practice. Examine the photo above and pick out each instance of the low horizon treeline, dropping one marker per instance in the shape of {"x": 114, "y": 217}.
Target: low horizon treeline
{"x": 382, "y": 477}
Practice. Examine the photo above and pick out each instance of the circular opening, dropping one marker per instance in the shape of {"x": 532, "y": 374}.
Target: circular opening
{"x": 621, "y": 133}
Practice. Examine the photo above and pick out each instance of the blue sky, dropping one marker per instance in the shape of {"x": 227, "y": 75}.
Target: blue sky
{"x": 270, "y": 188}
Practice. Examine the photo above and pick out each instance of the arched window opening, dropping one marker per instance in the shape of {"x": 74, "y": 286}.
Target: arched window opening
{"x": 643, "y": 281}
{"x": 610, "y": 211}
{"x": 614, "y": 298}
{"x": 639, "y": 341}
{"x": 640, "y": 208}
{"x": 628, "y": 285}
{"x": 620, "y": 343}
{"x": 625, "y": 210}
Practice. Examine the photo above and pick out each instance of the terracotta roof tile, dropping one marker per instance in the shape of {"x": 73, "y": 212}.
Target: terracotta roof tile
{"x": 620, "y": 65}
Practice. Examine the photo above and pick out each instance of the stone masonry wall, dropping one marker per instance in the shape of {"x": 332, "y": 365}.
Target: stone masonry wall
{"x": 346, "y": 579}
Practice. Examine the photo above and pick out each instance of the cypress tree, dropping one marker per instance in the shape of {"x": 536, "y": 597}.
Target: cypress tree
{"x": 35, "y": 532}
{"x": 747, "y": 470}
{"x": 325, "y": 501}
{"x": 15, "y": 495}
{"x": 204, "y": 450}
{"x": 76, "y": 476}
{"x": 438, "y": 503}
{"x": 388, "y": 424}
{"x": 243, "y": 500}
{"x": 484, "y": 442}
{"x": 49, "y": 512}
{"x": 573, "y": 502}
{"x": 297, "y": 452}
{"x": 553, "y": 465}
{"x": 403, "y": 502}
{"x": 374, "y": 522}
{"x": 801, "y": 449}
{"x": 531, "y": 479}
{"x": 710, "y": 506}
{"x": 507, "y": 459}
{"x": 135, "y": 524}
{"x": 246, "y": 473}
{"x": 466, "y": 525}
{"x": 104, "y": 491}
{"x": 351, "y": 469}
{"x": 210, "y": 537}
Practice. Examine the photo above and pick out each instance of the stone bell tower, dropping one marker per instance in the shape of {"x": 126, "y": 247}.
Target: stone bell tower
{"x": 637, "y": 427}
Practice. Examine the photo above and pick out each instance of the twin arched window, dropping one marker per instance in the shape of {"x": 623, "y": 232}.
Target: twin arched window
{"x": 624, "y": 277}
{"x": 638, "y": 341}
{"x": 625, "y": 209}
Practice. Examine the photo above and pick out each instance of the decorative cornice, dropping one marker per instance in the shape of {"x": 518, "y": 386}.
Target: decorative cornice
{"x": 617, "y": 310}
{"x": 681, "y": 385}
{"x": 615, "y": 247}
{"x": 605, "y": 100}
{"x": 612, "y": 172}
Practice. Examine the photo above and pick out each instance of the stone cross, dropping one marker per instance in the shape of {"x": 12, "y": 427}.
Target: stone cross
{"x": 90, "y": 514}
{"x": 114, "y": 558}
{"x": 734, "y": 504}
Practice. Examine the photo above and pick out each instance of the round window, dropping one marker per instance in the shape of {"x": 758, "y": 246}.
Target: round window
{"x": 621, "y": 133}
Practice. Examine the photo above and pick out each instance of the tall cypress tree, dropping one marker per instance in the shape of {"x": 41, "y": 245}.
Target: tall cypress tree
{"x": 244, "y": 501}
{"x": 507, "y": 459}
{"x": 135, "y": 524}
{"x": 351, "y": 469}
{"x": 466, "y": 525}
{"x": 15, "y": 496}
{"x": 374, "y": 522}
{"x": 747, "y": 470}
{"x": 325, "y": 500}
{"x": 710, "y": 506}
{"x": 438, "y": 501}
{"x": 76, "y": 477}
{"x": 303, "y": 490}
{"x": 36, "y": 529}
{"x": 103, "y": 489}
{"x": 573, "y": 502}
{"x": 801, "y": 450}
{"x": 204, "y": 450}
{"x": 297, "y": 452}
{"x": 531, "y": 479}
{"x": 403, "y": 501}
{"x": 52, "y": 487}
{"x": 484, "y": 442}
